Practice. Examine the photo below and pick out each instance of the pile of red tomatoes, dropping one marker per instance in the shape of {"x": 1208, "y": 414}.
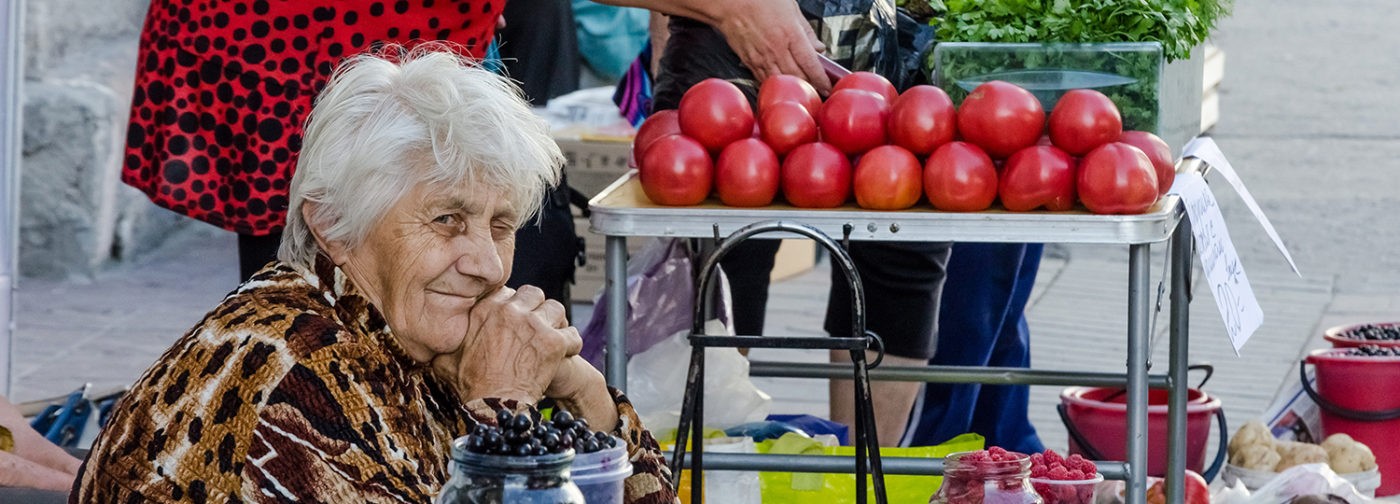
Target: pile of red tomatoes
{"x": 893, "y": 151}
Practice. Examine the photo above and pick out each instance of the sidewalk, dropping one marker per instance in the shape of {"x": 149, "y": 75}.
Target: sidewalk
{"x": 107, "y": 331}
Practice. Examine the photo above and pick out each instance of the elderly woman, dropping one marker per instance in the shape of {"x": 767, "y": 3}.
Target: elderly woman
{"x": 342, "y": 372}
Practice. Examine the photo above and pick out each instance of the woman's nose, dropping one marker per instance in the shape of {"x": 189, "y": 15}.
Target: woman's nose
{"x": 479, "y": 257}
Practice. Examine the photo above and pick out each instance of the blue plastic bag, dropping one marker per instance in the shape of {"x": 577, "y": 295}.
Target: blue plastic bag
{"x": 610, "y": 37}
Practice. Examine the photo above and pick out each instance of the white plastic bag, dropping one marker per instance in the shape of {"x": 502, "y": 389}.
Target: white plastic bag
{"x": 732, "y": 487}
{"x": 656, "y": 384}
{"x": 1306, "y": 479}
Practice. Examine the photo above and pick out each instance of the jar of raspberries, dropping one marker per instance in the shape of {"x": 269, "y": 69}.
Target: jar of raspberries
{"x": 991, "y": 476}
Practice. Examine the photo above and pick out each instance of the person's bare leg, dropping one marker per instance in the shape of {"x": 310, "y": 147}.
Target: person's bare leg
{"x": 892, "y": 400}
{"x": 32, "y": 446}
{"x": 19, "y": 472}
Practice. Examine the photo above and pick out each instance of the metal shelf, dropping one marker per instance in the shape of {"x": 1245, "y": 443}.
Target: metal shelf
{"x": 622, "y": 210}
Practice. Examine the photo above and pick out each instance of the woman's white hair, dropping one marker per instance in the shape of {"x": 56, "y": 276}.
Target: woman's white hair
{"x": 395, "y": 118}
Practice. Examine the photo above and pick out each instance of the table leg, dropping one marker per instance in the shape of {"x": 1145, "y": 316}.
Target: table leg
{"x": 615, "y": 283}
{"x": 1180, "y": 360}
{"x": 1139, "y": 257}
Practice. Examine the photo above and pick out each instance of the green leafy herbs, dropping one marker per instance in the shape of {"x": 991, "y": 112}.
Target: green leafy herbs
{"x": 1178, "y": 25}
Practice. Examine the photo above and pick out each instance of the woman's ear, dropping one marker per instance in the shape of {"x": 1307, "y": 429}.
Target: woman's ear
{"x": 335, "y": 249}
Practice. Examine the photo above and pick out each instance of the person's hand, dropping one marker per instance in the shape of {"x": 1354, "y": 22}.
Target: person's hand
{"x": 581, "y": 389}
{"x": 517, "y": 344}
{"x": 772, "y": 37}
{"x": 658, "y": 29}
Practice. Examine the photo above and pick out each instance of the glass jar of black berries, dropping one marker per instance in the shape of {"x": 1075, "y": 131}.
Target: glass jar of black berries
{"x": 485, "y": 478}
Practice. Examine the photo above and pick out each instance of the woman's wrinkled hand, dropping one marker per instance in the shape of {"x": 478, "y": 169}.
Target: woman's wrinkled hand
{"x": 518, "y": 343}
{"x": 580, "y": 388}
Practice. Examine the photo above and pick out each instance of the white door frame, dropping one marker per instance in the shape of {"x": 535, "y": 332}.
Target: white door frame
{"x": 11, "y": 120}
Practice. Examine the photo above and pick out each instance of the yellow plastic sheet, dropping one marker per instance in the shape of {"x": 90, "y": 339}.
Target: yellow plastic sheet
{"x": 782, "y": 487}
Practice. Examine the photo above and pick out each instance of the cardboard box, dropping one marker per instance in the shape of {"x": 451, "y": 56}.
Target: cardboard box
{"x": 593, "y": 163}
{"x": 795, "y": 257}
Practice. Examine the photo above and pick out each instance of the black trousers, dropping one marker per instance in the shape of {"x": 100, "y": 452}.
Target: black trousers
{"x": 903, "y": 285}
{"x": 539, "y": 47}
{"x": 547, "y": 249}
{"x": 254, "y": 252}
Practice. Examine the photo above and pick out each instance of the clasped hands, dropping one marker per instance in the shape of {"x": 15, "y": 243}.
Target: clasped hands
{"x": 519, "y": 346}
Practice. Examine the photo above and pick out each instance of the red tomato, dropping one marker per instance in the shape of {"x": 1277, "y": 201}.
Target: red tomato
{"x": 868, "y": 81}
{"x": 715, "y": 113}
{"x": 1084, "y": 119}
{"x": 960, "y": 177}
{"x": 747, "y": 174}
{"x": 1001, "y": 118}
{"x": 922, "y": 119}
{"x": 854, "y": 120}
{"x": 888, "y": 178}
{"x": 659, "y": 124}
{"x": 783, "y": 88}
{"x": 676, "y": 170}
{"x": 1158, "y": 152}
{"x": 1037, "y": 176}
{"x": 1117, "y": 178}
{"x": 816, "y": 175}
{"x": 786, "y": 125}
{"x": 1197, "y": 490}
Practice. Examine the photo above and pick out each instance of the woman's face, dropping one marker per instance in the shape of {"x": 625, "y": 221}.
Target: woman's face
{"x": 436, "y": 252}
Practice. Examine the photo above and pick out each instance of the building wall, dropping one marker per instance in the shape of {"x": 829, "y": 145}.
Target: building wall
{"x": 76, "y": 215}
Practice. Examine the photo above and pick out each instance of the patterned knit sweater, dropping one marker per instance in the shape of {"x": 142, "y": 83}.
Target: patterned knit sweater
{"x": 294, "y": 389}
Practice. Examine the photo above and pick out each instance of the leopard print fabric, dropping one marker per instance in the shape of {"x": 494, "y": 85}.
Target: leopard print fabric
{"x": 294, "y": 389}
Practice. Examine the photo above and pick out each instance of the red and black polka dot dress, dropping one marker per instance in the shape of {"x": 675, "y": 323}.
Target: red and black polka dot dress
{"x": 222, "y": 88}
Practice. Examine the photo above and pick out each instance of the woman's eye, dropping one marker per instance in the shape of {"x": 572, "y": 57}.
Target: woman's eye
{"x": 447, "y": 219}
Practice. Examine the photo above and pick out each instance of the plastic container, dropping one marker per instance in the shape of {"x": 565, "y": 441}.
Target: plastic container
{"x": 990, "y": 482}
{"x": 1100, "y": 415}
{"x": 1360, "y": 397}
{"x": 1152, "y": 95}
{"x": 495, "y": 479}
{"x": 599, "y": 475}
{"x": 1067, "y": 492}
{"x": 1341, "y": 336}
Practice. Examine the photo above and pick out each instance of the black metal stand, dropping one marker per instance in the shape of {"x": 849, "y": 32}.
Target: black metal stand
{"x": 867, "y": 443}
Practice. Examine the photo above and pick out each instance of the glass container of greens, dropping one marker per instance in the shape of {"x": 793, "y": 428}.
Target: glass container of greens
{"x": 1151, "y": 94}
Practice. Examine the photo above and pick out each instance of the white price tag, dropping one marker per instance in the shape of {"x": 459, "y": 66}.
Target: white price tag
{"x": 1205, "y": 149}
{"x": 1229, "y": 284}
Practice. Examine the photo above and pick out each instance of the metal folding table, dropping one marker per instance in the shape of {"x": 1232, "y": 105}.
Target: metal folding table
{"x": 622, "y": 210}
